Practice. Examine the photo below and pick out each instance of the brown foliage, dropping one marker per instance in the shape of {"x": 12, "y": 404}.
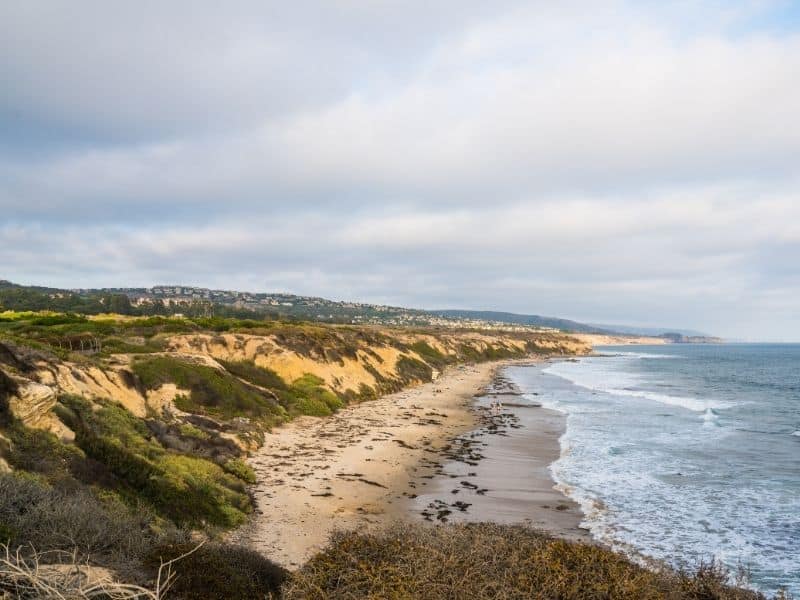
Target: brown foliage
{"x": 219, "y": 571}
{"x": 486, "y": 560}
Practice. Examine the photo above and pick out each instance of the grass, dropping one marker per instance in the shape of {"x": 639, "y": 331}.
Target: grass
{"x": 190, "y": 431}
{"x": 486, "y": 560}
{"x": 240, "y": 469}
{"x": 412, "y": 370}
{"x": 250, "y": 372}
{"x": 189, "y": 490}
{"x": 212, "y": 392}
{"x": 309, "y": 396}
{"x": 431, "y": 355}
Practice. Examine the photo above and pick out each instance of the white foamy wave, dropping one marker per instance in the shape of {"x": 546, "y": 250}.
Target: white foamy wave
{"x": 710, "y": 418}
{"x": 694, "y": 404}
{"x": 637, "y": 468}
{"x": 593, "y": 375}
{"x": 609, "y": 376}
{"x": 546, "y": 402}
{"x": 641, "y": 355}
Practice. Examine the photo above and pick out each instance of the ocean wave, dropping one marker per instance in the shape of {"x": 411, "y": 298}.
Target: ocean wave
{"x": 641, "y": 355}
{"x": 594, "y": 376}
{"x": 694, "y": 404}
{"x": 636, "y": 477}
{"x": 710, "y": 418}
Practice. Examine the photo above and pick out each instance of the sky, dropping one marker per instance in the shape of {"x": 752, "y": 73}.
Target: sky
{"x": 606, "y": 161}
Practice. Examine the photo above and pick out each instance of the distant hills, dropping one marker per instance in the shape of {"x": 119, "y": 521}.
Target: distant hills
{"x": 203, "y": 302}
{"x": 531, "y": 320}
{"x": 654, "y": 331}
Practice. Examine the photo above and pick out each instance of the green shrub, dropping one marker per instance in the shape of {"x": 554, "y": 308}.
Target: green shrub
{"x": 431, "y": 355}
{"x": 114, "y": 345}
{"x": 410, "y": 369}
{"x": 366, "y": 392}
{"x": 187, "y": 489}
{"x": 212, "y": 392}
{"x": 60, "y": 319}
{"x": 41, "y": 452}
{"x": 470, "y": 353}
{"x": 308, "y": 396}
{"x": 239, "y": 468}
{"x": 219, "y": 572}
{"x": 261, "y": 376}
{"x": 312, "y": 407}
{"x": 8, "y": 387}
{"x": 190, "y": 431}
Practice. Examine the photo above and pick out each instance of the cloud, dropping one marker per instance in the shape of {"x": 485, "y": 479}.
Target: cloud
{"x": 608, "y": 161}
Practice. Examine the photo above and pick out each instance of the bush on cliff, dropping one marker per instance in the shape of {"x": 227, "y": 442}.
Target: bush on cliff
{"x": 8, "y": 388}
{"x": 260, "y": 376}
{"x": 309, "y": 396}
{"x": 187, "y": 489}
{"x": 410, "y": 369}
{"x": 218, "y": 571}
{"x": 213, "y": 392}
{"x": 37, "y": 515}
{"x": 486, "y": 560}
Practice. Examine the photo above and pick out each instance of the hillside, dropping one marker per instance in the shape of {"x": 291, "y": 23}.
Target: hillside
{"x": 166, "y": 300}
{"x": 122, "y": 442}
{"x": 528, "y": 320}
{"x": 187, "y": 399}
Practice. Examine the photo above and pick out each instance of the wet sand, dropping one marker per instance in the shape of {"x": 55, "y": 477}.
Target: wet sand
{"x": 505, "y": 477}
{"x": 401, "y": 457}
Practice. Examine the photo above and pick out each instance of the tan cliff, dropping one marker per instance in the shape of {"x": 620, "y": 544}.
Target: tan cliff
{"x": 346, "y": 359}
{"x": 596, "y": 339}
{"x": 368, "y": 358}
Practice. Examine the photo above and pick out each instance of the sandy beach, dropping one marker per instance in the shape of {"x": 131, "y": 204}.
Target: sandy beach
{"x": 504, "y": 475}
{"x": 376, "y": 462}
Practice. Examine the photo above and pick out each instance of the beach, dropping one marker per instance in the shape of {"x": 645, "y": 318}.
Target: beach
{"x": 387, "y": 459}
{"x": 505, "y": 477}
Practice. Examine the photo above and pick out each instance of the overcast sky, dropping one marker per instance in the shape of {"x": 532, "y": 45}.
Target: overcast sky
{"x": 604, "y": 161}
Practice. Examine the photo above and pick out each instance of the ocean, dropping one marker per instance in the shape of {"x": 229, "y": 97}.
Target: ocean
{"x": 683, "y": 453}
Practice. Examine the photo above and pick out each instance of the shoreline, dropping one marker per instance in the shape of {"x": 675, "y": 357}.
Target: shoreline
{"x": 509, "y": 481}
{"x": 374, "y": 463}
{"x": 353, "y": 470}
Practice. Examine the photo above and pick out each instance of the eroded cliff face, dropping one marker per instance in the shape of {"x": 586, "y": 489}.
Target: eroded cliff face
{"x": 596, "y": 339}
{"x": 348, "y": 361}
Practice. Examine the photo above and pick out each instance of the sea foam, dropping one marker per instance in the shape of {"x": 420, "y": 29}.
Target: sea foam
{"x": 683, "y": 459}
{"x": 607, "y": 375}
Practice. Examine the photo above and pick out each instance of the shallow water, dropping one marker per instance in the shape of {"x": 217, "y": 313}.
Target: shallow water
{"x": 684, "y": 452}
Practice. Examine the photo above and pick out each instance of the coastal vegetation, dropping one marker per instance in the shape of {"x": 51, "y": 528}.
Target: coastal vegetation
{"x": 453, "y": 562}
{"x": 123, "y": 439}
{"x": 94, "y": 381}
{"x": 486, "y": 560}
{"x": 212, "y": 392}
